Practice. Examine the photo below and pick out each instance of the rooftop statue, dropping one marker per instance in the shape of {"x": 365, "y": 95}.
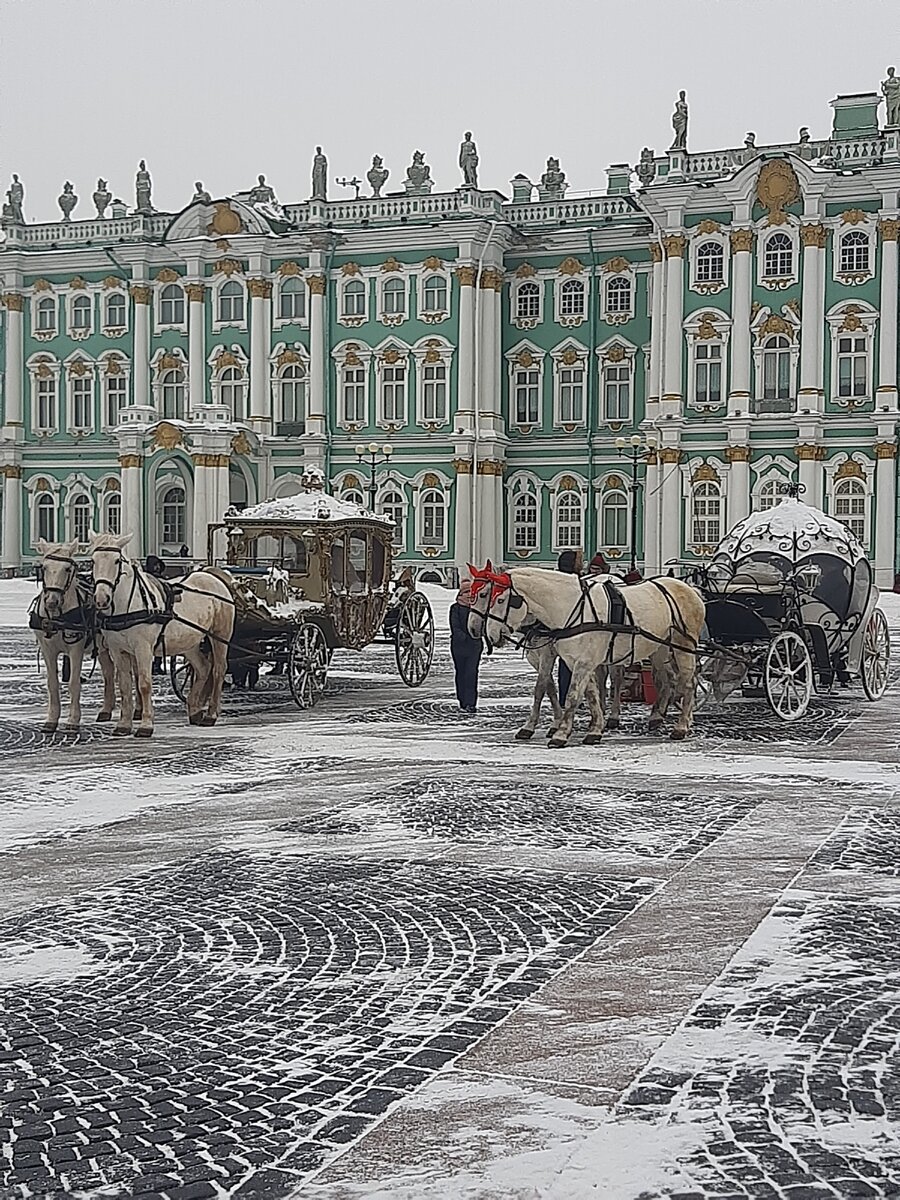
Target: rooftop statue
{"x": 201, "y": 195}
{"x": 262, "y": 193}
{"x": 142, "y": 185}
{"x": 102, "y": 198}
{"x": 468, "y": 162}
{"x": 553, "y": 181}
{"x": 750, "y": 141}
{"x": 418, "y": 181}
{"x": 319, "y": 176}
{"x": 646, "y": 168}
{"x": 680, "y": 123}
{"x": 67, "y": 200}
{"x": 15, "y": 196}
{"x": 803, "y": 135}
{"x": 377, "y": 175}
{"x": 890, "y": 88}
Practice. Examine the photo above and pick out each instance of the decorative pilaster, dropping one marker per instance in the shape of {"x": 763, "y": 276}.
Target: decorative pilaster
{"x": 465, "y": 390}
{"x": 741, "y": 287}
{"x": 738, "y": 483}
{"x": 196, "y": 293}
{"x": 811, "y": 393}
{"x": 14, "y": 303}
{"x": 132, "y": 468}
{"x": 210, "y": 496}
{"x": 463, "y": 551}
{"x": 651, "y": 515}
{"x": 315, "y": 422}
{"x": 12, "y": 516}
{"x": 889, "y": 229}
{"x": 656, "y": 326}
{"x": 260, "y": 323}
{"x": 490, "y": 510}
{"x": 674, "y": 244}
{"x": 810, "y": 458}
{"x": 489, "y": 358}
{"x": 140, "y": 367}
{"x": 671, "y": 505}
{"x": 885, "y": 508}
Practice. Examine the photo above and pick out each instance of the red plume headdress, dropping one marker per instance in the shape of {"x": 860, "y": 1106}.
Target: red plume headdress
{"x": 499, "y": 581}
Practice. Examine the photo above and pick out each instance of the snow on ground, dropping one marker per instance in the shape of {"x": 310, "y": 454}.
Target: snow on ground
{"x": 16, "y": 596}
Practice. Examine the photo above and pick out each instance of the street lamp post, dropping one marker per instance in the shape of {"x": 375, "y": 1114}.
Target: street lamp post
{"x": 375, "y": 455}
{"x": 635, "y": 448}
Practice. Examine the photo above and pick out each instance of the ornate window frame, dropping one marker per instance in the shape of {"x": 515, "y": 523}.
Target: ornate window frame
{"x": 704, "y": 234}
{"x": 567, "y": 485}
{"x": 392, "y": 270}
{"x": 854, "y": 319}
{"x": 525, "y": 356}
{"x": 390, "y": 355}
{"x": 112, "y": 491}
{"x": 526, "y": 274}
{"x": 43, "y": 366}
{"x": 433, "y": 268}
{"x": 284, "y": 356}
{"x": 857, "y": 466}
{"x": 392, "y": 484}
{"x": 524, "y": 485}
{"x": 353, "y": 356}
{"x": 79, "y": 368}
{"x": 790, "y": 226}
{"x": 222, "y": 358}
{"x": 569, "y": 355}
{"x": 697, "y": 472}
{"x": 161, "y": 362}
{"x": 768, "y": 324}
{"x": 618, "y": 269}
{"x": 43, "y": 484}
{"x": 39, "y": 295}
{"x": 218, "y": 286}
{"x": 855, "y": 221}
{"x": 76, "y": 291}
{"x": 112, "y": 364}
{"x": 616, "y": 352}
{"x": 78, "y": 488}
{"x": 165, "y": 279}
{"x": 704, "y": 327}
{"x": 350, "y": 273}
{"x": 612, "y": 483}
{"x": 426, "y": 484}
{"x": 279, "y": 281}
{"x": 771, "y": 468}
{"x": 114, "y": 331}
{"x": 431, "y": 352}
{"x": 560, "y": 284}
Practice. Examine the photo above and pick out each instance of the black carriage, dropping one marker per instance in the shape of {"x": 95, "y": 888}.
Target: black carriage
{"x": 791, "y": 607}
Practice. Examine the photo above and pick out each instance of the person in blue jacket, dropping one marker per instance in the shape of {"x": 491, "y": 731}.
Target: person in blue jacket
{"x": 465, "y": 650}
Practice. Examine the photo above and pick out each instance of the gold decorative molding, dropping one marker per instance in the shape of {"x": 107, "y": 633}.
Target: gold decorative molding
{"x": 889, "y": 229}
{"x": 167, "y": 436}
{"x": 225, "y": 221}
{"x": 240, "y": 443}
{"x": 735, "y": 454}
{"x": 571, "y": 266}
{"x": 708, "y": 226}
{"x": 465, "y": 276}
{"x": 776, "y": 188}
{"x": 391, "y": 356}
{"x": 614, "y": 354}
{"x": 854, "y": 216}
{"x": 651, "y": 458}
{"x": 432, "y": 263}
{"x": 794, "y": 306}
{"x": 130, "y": 460}
{"x": 114, "y": 365}
{"x": 570, "y": 356}
{"x": 195, "y": 292}
{"x": 77, "y": 284}
{"x": 525, "y": 359}
{"x": 110, "y": 282}
{"x": 14, "y": 301}
{"x": 167, "y": 275}
{"x": 704, "y": 473}
{"x": 44, "y": 285}
{"x": 349, "y": 268}
{"x": 260, "y": 289}
{"x": 491, "y": 466}
{"x": 885, "y": 449}
{"x": 815, "y": 235}
{"x": 391, "y": 264}
{"x": 316, "y": 285}
{"x": 462, "y": 466}
{"x": 675, "y": 244}
{"x": 42, "y": 485}
{"x": 351, "y": 358}
{"x": 227, "y": 266}
{"x": 706, "y": 329}
{"x": 11, "y": 471}
{"x": 615, "y": 266}
{"x": 670, "y": 454}
{"x": 492, "y": 279}
{"x": 432, "y": 355}
{"x": 43, "y": 371}
{"x": 613, "y": 483}
{"x": 430, "y": 480}
{"x": 807, "y": 452}
{"x": 775, "y": 324}
{"x": 211, "y": 460}
{"x": 851, "y": 322}
{"x": 850, "y": 469}
{"x": 170, "y": 361}
{"x": 291, "y": 268}
{"x": 525, "y": 271}
{"x": 222, "y": 245}
{"x": 79, "y": 368}
{"x": 287, "y": 356}
{"x": 140, "y": 293}
{"x": 656, "y": 253}
{"x": 112, "y": 485}
{"x": 568, "y": 484}
{"x": 226, "y": 358}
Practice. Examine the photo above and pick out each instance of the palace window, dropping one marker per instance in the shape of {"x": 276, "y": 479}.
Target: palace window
{"x": 353, "y": 393}
{"x": 776, "y": 368}
{"x": 45, "y": 517}
{"x": 354, "y": 299}
{"x": 393, "y": 298}
{"x": 706, "y": 516}
{"x": 525, "y": 522}
{"x": 116, "y": 387}
{"x": 571, "y": 395}
{"x": 769, "y": 495}
{"x": 434, "y": 294}
{"x": 855, "y": 253}
{"x": 231, "y": 302}
{"x": 172, "y": 517}
{"x": 352, "y": 496}
{"x": 82, "y": 403}
{"x": 46, "y": 315}
{"x": 46, "y": 404}
{"x": 392, "y": 505}
{"x": 527, "y": 395}
{"x": 852, "y": 362}
{"x": 393, "y": 394}
{"x": 710, "y": 263}
{"x": 434, "y": 393}
{"x": 292, "y": 395}
{"x": 115, "y": 311}
{"x": 434, "y": 510}
{"x": 81, "y": 313}
{"x": 616, "y": 391}
{"x": 572, "y": 298}
{"x": 80, "y": 515}
{"x": 112, "y": 513}
{"x": 778, "y": 259}
{"x": 528, "y": 302}
{"x": 171, "y": 305}
{"x": 569, "y": 517}
{"x": 618, "y": 295}
{"x": 850, "y": 506}
{"x": 173, "y": 394}
{"x": 708, "y": 373}
{"x": 292, "y": 300}
{"x": 614, "y": 518}
{"x": 232, "y": 391}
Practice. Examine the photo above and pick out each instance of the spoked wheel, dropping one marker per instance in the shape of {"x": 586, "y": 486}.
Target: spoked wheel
{"x": 308, "y": 665}
{"x": 788, "y": 676}
{"x": 876, "y": 656}
{"x": 414, "y": 644}
{"x": 181, "y": 676}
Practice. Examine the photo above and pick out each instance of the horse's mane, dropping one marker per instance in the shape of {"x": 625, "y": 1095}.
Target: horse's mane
{"x": 106, "y": 541}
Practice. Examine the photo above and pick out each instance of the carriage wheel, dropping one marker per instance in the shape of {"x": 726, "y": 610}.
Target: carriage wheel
{"x": 181, "y": 676}
{"x": 414, "y": 645}
{"x": 876, "y": 656}
{"x": 307, "y": 665}
{"x": 788, "y": 676}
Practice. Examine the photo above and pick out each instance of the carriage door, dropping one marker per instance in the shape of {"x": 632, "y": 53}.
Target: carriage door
{"x": 349, "y": 584}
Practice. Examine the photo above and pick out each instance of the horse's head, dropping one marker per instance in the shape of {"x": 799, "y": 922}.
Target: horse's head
{"x": 107, "y": 551}
{"x": 497, "y": 609}
{"x": 57, "y": 572}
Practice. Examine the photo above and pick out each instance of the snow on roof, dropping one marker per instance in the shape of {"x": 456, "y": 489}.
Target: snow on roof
{"x": 309, "y": 506}
{"x": 791, "y": 528}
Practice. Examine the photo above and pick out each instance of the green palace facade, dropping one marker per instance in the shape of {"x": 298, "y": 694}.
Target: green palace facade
{"x": 729, "y": 316}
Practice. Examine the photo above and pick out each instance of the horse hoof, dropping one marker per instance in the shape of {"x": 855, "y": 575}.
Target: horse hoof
{"x": 206, "y": 720}
{"x": 195, "y": 719}
{"x": 104, "y": 716}
{"x": 551, "y": 731}
{"x": 557, "y": 744}
{"x": 654, "y": 726}
{"x": 48, "y": 727}
{"x": 122, "y": 730}
{"x": 591, "y": 739}
{"x": 142, "y": 732}
{"x": 524, "y": 735}
{"x": 70, "y": 728}
{"x": 612, "y": 723}
{"x": 678, "y": 735}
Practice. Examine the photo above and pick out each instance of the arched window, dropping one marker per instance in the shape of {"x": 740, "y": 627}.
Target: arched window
{"x": 172, "y": 388}
{"x": 45, "y": 417}
{"x": 112, "y": 513}
{"x": 769, "y": 495}
{"x": 710, "y": 262}
{"x": 434, "y": 294}
{"x": 232, "y": 389}
{"x": 571, "y": 393}
{"x": 852, "y": 362}
{"x": 528, "y": 302}
{"x": 353, "y": 496}
{"x": 527, "y": 397}
{"x": 571, "y": 298}
{"x": 618, "y": 295}
{"x": 45, "y": 518}
{"x": 614, "y": 518}
{"x": 80, "y": 517}
{"x": 354, "y": 300}
{"x": 171, "y": 305}
{"x": 393, "y": 506}
{"x": 778, "y": 261}
{"x": 46, "y": 315}
{"x": 568, "y": 516}
{"x": 525, "y": 522}
{"x": 115, "y": 311}
{"x": 353, "y": 393}
{"x": 292, "y": 300}
{"x": 706, "y": 522}
{"x": 776, "y": 364}
{"x": 708, "y": 372}
{"x": 394, "y": 297}
{"x": 172, "y": 516}
{"x": 850, "y": 506}
{"x": 292, "y": 396}
{"x": 855, "y": 252}
{"x": 434, "y": 509}
{"x": 81, "y": 312}
{"x": 82, "y": 402}
{"x": 231, "y": 302}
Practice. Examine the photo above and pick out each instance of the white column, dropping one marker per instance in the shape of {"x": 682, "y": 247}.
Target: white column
{"x": 12, "y": 516}
{"x": 465, "y": 362}
{"x": 810, "y": 393}
{"x": 14, "y": 303}
{"x": 488, "y": 398}
{"x": 671, "y": 393}
{"x": 810, "y": 461}
{"x": 260, "y": 340}
{"x": 738, "y": 484}
{"x": 315, "y": 422}
{"x": 885, "y": 510}
{"x": 671, "y": 505}
{"x": 197, "y": 346}
{"x": 140, "y": 368}
{"x": 133, "y": 502}
{"x": 462, "y": 525}
{"x": 887, "y": 324}
{"x": 490, "y": 523}
{"x": 651, "y": 516}
{"x": 657, "y": 339}
{"x": 201, "y": 516}
{"x": 741, "y": 288}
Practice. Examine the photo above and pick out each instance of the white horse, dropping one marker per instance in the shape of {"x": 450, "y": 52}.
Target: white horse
{"x": 136, "y": 615}
{"x": 61, "y": 620}
{"x": 669, "y": 611}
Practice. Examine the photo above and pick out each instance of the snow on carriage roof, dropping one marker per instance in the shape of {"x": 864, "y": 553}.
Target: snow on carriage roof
{"x": 309, "y": 506}
{"x": 793, "y": 529}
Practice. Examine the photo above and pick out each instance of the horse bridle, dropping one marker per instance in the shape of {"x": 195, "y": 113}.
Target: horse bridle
{"x": 514, "y": 600}
{"x": 70, "y": 578}
{"x": 114, "y": 583}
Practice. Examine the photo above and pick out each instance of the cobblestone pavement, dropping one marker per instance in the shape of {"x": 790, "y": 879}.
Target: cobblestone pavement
{"x": 382, "y": 950}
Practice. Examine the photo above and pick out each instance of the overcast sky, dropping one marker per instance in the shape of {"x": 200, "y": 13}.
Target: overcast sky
{"x": 221, "y": 90}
